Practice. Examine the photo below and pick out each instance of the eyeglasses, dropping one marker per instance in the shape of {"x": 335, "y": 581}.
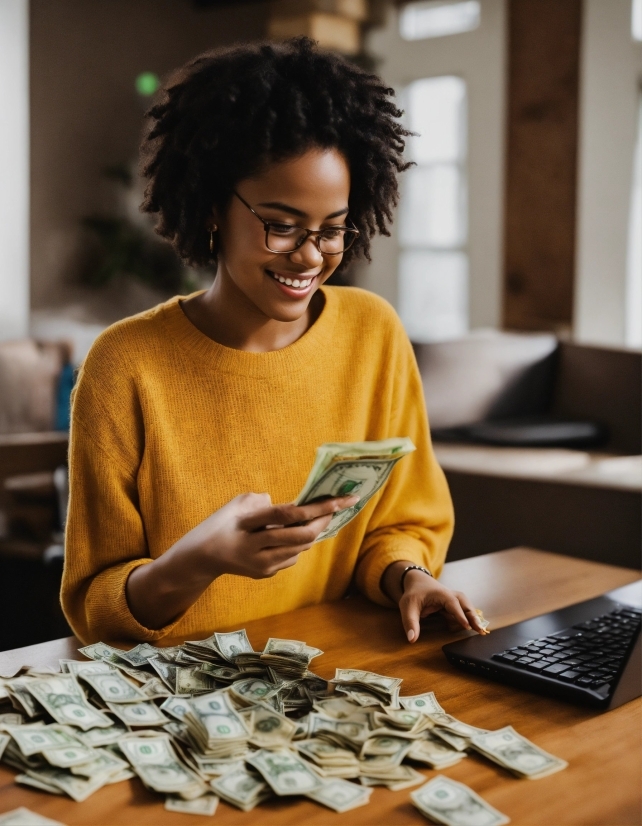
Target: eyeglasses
{"x": 284, "y": 238}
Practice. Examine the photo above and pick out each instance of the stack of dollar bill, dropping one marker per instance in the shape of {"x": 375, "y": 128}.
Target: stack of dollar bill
{"x": 354, "y": 468}
{"x": 214, "y": 719}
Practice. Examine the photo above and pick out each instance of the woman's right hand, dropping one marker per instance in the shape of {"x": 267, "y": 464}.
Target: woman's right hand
{"x": 249, "y": 536}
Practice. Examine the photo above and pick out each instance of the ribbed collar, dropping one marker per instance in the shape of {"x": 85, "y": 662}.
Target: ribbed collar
{"x": 295, "y": 356}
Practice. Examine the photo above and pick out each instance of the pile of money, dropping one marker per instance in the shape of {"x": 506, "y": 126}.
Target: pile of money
{"x": 214, "y": 719}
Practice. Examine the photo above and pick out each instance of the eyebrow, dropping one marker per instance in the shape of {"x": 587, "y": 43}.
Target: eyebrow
{"x": 299, "y": 214}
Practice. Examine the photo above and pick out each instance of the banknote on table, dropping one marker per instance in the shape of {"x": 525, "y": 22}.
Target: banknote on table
{"x": 340, "y": 795}
{"x": 357, "y": 468}
{"x": 285, "y": 771}
{"x": 63, "y": 699}
{"x": 25, "y": 817}
{"x": 425, "y": 703}
{"x": 454, "y": 804}
{"x": 139, "y": 715}
{"x": 242, "y": 788}
{"x": 155, "y": 762}
{"x": 517, "y": 754}
{"x": 205, "y": 805}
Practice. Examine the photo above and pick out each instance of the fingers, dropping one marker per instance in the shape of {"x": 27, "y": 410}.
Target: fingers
{"x": 462, "y": 610}
{"x": 294, "y": 515}
{"x": 291, "y": 536}
{"x": 410, "y": 608}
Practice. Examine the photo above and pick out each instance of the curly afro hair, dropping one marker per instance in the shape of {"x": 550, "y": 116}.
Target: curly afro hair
{"x": 229, "y": 112}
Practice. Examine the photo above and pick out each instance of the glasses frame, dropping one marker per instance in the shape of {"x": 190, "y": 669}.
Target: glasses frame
{"x": 351, "y": 233}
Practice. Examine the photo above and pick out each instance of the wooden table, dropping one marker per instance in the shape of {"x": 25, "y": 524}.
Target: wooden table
{"x": 601, "y": 786}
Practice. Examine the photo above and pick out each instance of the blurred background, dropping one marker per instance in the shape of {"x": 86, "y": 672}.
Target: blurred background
{"x": 515, "y": 260}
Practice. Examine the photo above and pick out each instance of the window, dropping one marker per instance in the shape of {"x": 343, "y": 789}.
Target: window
{"x": 433, "y": 262}
{"x": 636, "y": 19}
{"x": 435, "y": 18}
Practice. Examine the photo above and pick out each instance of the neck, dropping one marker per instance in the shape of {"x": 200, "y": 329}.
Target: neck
{"x": 225, "y": 314}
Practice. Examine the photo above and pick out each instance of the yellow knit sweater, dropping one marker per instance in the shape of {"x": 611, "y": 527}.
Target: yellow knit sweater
{"x": 169, "y": 425}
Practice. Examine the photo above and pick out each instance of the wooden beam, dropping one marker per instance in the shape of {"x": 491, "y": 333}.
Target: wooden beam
{"x": 540, "y": 204}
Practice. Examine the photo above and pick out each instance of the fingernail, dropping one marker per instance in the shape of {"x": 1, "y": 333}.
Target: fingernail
{"x": 411, "y": 635}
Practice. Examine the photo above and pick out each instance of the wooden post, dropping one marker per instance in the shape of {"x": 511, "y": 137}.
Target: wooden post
{"x": 540, "y": 205}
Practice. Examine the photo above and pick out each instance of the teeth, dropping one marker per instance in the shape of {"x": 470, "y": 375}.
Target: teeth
{"x": 296, "y": 283}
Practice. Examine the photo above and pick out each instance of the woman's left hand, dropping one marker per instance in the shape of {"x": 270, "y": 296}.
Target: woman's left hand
{"x": 423, "y": 595}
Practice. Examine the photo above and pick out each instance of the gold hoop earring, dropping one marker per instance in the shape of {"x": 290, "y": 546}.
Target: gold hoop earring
{"x": 212, "y": 231}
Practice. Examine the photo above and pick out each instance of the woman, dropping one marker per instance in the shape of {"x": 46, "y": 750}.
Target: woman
{"x": 279, "y": 163}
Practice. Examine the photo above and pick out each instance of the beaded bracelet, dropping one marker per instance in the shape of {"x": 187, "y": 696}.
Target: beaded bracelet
{"x": 412, "y": 568}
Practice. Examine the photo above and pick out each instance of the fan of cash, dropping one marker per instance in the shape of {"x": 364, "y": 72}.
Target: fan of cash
{"x": 354, "y": 468}
{"x": 214, "y": 719}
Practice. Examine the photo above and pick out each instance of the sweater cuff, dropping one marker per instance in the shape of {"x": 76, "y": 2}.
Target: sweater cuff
{"x": 371, "y": 567}
{"x": 118, "y": 620}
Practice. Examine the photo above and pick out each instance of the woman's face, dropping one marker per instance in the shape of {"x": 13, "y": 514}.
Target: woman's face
{"x": 310, "y": 191}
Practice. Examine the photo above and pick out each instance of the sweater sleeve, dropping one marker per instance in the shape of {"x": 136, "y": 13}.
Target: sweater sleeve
{"x": 413, "y": 516}
{"x": 105, "y": 535}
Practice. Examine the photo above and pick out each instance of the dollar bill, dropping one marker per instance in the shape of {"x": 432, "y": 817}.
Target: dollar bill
{"x": 102, "y": 736}
{"x": 271, "y": 729}
{"x": 69, "y": 756}
{"x": 155, "y": 762}
{"x": 340, "y": 795}
{"x": 175, "y": 706}
{"x": 205, "y": 805}
{"x": 232, "y": 644}
{"x": 285, "y": 771}
{"x": 10, "y": 719}
{"x": 435, "y": 754}
{"x": 25, "y": 817}
{"x": 100, "y": 651}
{"x": 78, "y": 788}
{"x": 35, "y": 739}
{"x": 425, "y": 703}
{"x": 137, "y": 715}
{"x": 63, "y": 698}
{"x": 509, "y": 749}
{"x": 105, "y": 763}
{"x": 397, "y": 779}
{"x": 113, "y": 687}
{"x": 358, "y": 468}
{"x": 25, "y": 780}
{"x": 242, "y": 788}
{"x": 141, "y": 654}
{"x": 454, "y": 804}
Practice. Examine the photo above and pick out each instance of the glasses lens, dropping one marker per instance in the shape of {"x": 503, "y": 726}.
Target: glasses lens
{"x": 334, "y": 241}
{"x": 284, "y": 237}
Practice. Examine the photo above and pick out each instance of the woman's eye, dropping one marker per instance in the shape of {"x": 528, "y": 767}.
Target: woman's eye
{"x": 332, "y": 233}
{"x": 283, "y": 229}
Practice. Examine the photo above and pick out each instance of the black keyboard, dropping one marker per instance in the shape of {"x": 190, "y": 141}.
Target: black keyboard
{"x": 590, "y": 654}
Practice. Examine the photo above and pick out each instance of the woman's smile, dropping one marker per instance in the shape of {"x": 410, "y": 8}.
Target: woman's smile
{"x": 296, "y": 285}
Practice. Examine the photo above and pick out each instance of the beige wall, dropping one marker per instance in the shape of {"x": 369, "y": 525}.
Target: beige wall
{"x": 85, "y": 114}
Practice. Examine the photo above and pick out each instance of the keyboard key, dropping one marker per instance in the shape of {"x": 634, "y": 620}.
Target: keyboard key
{"x": 504, "y": 658}
{"x": 586, "y": 681}
{"x": 570, "y": 675}
{"x": 523, "y": 661}
{"x": 555, "y": 669}
{"x": 571, "y": 662}
{"x": 538, "y": 666}
{"x": 521, "y": 652}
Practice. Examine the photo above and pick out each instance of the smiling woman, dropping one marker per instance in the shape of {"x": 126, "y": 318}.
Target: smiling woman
{"x": 279, "y": 162}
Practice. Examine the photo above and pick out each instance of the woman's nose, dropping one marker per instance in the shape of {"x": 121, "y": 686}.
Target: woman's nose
{"x": 308, "y": 254}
